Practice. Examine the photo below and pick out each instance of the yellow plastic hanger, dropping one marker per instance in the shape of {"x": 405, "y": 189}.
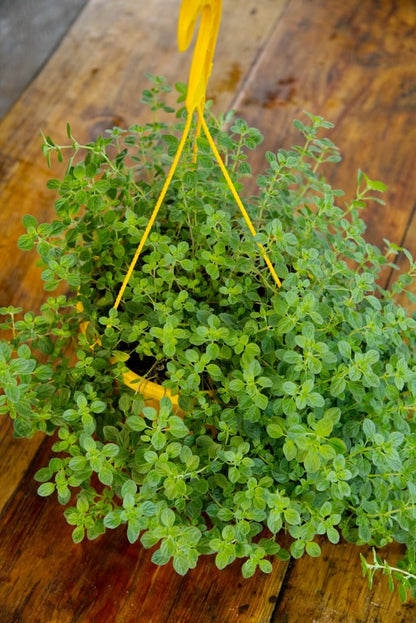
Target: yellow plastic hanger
{"x": 210, "y": 13}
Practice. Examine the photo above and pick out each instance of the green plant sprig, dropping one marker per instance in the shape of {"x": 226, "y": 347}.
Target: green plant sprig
{"x": 404, "y": 578}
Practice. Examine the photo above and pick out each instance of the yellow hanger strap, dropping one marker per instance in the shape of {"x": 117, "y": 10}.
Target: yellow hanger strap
{"x": 210, "y": 11}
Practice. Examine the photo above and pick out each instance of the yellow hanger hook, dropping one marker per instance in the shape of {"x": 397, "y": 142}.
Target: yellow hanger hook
{"x": 210, "y": 11}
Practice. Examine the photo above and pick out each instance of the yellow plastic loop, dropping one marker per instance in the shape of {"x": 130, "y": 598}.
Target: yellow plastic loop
{"x": 210, "y": 11}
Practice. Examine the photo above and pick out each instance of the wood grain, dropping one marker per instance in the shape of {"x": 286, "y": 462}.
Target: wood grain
{"x": 355, "y": 65}
{"x": 331, "y": 590}
{"x": 351, "y": 62}
{"x": 45, "y": 577}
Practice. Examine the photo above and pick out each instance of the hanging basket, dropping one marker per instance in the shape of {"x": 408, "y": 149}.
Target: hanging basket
{"x": 151, "y": 392}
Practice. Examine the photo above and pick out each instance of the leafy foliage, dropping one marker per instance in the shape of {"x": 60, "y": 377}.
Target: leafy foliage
{"x": 297, "y": 405}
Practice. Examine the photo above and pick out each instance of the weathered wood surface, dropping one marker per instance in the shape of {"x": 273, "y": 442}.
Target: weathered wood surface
{"x": 354, "y": 64}
{"x": 47, "y": 579}
{"x": 351, "y": 62}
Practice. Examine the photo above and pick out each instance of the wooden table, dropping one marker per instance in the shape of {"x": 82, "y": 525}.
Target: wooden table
{"x": 352, "y": 62}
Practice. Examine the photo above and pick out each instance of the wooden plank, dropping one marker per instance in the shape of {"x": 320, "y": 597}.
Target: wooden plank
{"x": 332, "y": 590}
{"x": 15, "y": 457}
{"x": 343, "y": 83}
{"x": 45, "y": 577}
{"x": 96, "y": 77}
{"x": 355, "y": 65}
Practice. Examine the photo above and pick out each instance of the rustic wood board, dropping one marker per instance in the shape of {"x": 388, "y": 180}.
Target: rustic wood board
{"x": 330, "y": 590}
{"x": 44, "y": 577}
{"x": 353, "y": 63}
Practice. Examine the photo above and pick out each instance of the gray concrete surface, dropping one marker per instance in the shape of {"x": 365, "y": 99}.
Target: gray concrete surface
{"x": 29, "y": 32}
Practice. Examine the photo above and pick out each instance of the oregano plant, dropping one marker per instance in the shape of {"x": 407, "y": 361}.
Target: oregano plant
{"x": 285, "y": 409}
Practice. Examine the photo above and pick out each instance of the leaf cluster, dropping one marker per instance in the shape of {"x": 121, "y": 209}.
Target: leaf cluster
{"x": 297, "y": 406}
